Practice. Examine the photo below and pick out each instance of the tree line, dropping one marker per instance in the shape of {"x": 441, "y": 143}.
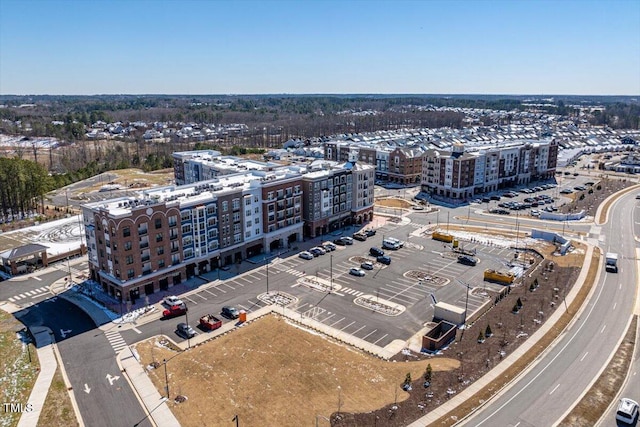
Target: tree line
{"x": 23, "y": 184}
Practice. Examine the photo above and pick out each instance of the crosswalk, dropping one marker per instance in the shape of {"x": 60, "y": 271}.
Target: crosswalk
{"x": 295, "y": 272}
{"x": 116, "y": 340}
{"x": 29, "y": 294}
{"x": 350, "y": 291}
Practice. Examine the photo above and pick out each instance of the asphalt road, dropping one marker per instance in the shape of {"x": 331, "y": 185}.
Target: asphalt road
{"x": 546, "y": 392}
{"x": 87, "y": 356}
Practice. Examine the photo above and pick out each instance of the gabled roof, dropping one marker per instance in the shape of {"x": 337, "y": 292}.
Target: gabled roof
{"x": 23, "y": 251}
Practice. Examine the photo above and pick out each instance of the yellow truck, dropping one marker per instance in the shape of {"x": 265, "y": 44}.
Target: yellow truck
{"x": 443, "y": 237}
{"x": 499, "y": 276}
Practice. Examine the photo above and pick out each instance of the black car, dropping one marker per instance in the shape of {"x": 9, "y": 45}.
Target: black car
{"x": 384, "y": 259}
{"x": 370, "y": 232}
{"x": 185, "y": 330}
{"x": 230, "y": 312}
{"x": 376, "y": 251}
{"x": 467, "y": 260}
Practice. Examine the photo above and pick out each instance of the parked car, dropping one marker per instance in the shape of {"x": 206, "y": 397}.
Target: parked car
{"x": 367, "y": 265}
{"x": 317, "y": 251}
{"x": 305, "y": 255}
{"x": 172, "y": 300}
{"x": 339, "y": 242}
{"x": 388, "y": 244}
{"x": 418, "y": 208}
{"x": 376, "y": 251}
{"x": 467, "y": 260}
{"x": 357, "y": 272}
{"x": 360, "y": 236}
{"x": 329, "y": 246}
{"x": 230, "y": 312}
{"x": 400, "y": 243}
{"x": 384, "y": 259}
{"x": 185, "y": 330}
{"x": 370, "y": 232}
{"x": 347, "y": 240}
{"x": 174, "y": 311}
{"x": 495, "y": 197}
{"x": 627, "y": 411}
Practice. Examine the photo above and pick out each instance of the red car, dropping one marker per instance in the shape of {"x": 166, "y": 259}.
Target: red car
{"x": 174, "y": 311}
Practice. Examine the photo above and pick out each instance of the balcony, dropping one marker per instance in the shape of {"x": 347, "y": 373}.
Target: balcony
{"x": 144, "y": 244}
{"x": 146, "y": 272}
{"x": 173, "y": 237}
{"x": 174, "y": 250}
{"x": 145, "y": 258}
{"x": 142, "y": 231}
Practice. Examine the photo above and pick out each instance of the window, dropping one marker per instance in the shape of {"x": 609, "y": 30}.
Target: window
{"x": 237, "y": 238}
{"x": 173, "y": 221}
{"x": 130, "y": 273}
{"x": 256, "y": 231}
{"x": 225, "y": 206}
{"x": 160, "y": 250}
{"x": 236, "y": 204}
{"x": 126, "y": 232}
{"x": 114, "y": 246}
{"x": 247, "y": 201}
{"x": 236, "y": 228}
{"x": 159, "y": 237}
{"x": 161, "y": 263}
{"x": 257, "y": 221}
{"x": 256, "y": 210}
{"x": 185, "y": 215}
{"x": 127, "y": 246}
{"x": 247, "y": 235}
{"x": 129, "y": 259}
{"x": 186, "y": 229}
{"x": 236, "y": 217}
{"x": 158, "y": 223}
{"x": 247, "y": 212}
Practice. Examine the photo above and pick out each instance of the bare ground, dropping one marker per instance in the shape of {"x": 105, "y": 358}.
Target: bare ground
{"x": 294, "y": 375}
{"x": 57, "y": 410}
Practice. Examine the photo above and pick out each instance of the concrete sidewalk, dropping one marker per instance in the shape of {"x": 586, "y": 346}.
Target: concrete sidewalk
{"x": 154, "y": 404}
{"x": 496, "y": 372}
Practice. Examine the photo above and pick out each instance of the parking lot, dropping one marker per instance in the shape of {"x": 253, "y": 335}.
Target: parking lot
{"x": 421, "y": 273}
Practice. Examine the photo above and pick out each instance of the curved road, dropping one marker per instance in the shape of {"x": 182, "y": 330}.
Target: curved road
{"x": 543, "y": 395}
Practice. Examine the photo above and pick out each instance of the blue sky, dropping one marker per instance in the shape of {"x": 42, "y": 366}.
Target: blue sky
{"x": 320, "y": 46}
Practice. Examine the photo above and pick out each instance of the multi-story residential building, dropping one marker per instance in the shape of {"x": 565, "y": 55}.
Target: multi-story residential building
{"x": 405, "y": 165}
{"x": 141, "y": 245}
{"x": 336, "y": 195}
{"x": 202, "y": 165}
{"x": 459, "y": 174}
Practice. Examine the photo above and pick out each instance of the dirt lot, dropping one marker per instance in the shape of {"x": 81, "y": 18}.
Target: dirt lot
{"x": 394, "y": 203}
{"x": 295, "y": 376}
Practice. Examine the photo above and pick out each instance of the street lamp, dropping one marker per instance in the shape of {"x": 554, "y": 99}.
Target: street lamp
{"x": 186, "y": 316}
{"x": 266, "y": 261}
{"x": 331, "y": 271}
{"x": 166, "y": 377}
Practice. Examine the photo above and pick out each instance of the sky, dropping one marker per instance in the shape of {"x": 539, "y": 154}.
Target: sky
{"x": 83, "y": 47}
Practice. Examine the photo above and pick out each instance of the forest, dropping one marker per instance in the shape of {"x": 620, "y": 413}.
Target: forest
{"x": 23, "y": 184}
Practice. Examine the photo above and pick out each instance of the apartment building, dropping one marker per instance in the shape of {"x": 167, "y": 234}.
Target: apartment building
{"x": 203, "y": 165}
{"x": 459, "y": 174}
{"x": 138, "y": 246}
{"x": 336, "y": 195}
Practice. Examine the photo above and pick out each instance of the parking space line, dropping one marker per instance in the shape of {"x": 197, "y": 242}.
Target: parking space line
{"x": 209, "y": 292}
{"x": 189, "y": 299}
{"x": 198, "y": 294}
{"x": 335, "y": 323}
{"x": 358, "y": 330}
{"x": 243, "y": 278}
{"x": 379, "y": 339}
{"x": 348, "y": 325}
{"x": 328, "y": 317}
{"x": 367, "y": 336}
{"x": 229, "y": 286}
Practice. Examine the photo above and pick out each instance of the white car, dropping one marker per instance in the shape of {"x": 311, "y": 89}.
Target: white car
{"x": 367, "y": 265}
{"x": 357, "y": 272}
{"x": 173, "y": 300}
{"x": 627, "y": 411}
{"x": 305, "y": 255}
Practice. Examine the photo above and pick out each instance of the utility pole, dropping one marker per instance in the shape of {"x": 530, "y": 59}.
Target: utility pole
{"x": 331, "y": 272}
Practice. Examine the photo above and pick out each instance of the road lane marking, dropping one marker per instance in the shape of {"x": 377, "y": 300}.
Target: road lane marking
{"x": 517, "y": 424}
{"x": 554, "y": 389}
{"x": 614, "y": 305}
{"x": 603, "y": 328}
{"x": 541, "y": 371}
{"x": 37, "y": 278}
{"x": 138, "y": 331}
{"x": 585, "y": 355}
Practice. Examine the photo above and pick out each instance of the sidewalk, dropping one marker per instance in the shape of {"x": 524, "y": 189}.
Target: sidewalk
{"x": 496, "y": 372}
{"x": 154, "y": 405}
{"x": 48, "y": 365}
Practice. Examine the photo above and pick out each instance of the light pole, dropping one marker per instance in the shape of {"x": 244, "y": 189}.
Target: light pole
{"x": 186, "y": 316}
{"x": 166, "y": 377}
{"x": 331, "y": 272}
{"x": 266, "y": 261}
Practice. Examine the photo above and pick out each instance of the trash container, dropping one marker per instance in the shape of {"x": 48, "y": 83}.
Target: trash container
{"x": 242, "y": 316}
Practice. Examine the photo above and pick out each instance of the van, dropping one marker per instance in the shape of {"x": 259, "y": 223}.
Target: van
{"x": 400, "y": 243}
{"x": 627, "y": 411}
{"x": 376, "y": 251}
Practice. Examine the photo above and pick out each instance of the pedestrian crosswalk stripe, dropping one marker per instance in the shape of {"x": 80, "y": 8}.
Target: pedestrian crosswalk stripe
{"x": 11, "y": 300}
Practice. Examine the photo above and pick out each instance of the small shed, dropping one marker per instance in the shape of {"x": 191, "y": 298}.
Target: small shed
{"x": 450, "y": 313}
{"x": 441, "y": 335}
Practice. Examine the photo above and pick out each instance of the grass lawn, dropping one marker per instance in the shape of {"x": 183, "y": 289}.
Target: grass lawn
{"x": 17, "y": 375}
{"x": 271, "y": 372}
{"x": 57, "y": 410}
